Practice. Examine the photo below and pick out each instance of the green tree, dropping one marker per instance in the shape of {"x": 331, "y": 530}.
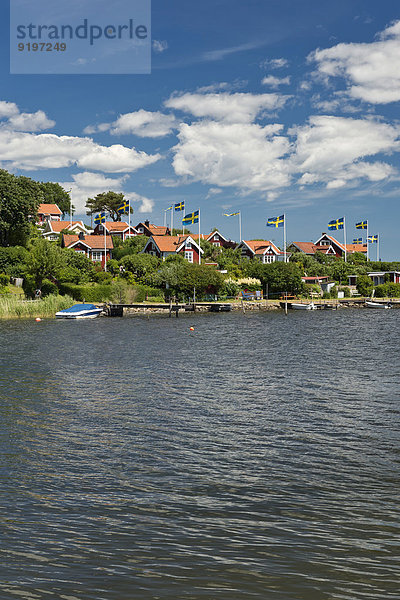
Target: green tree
{"x": 280, "y": 277}
{"x": 108, "y": 202}
{"x": 141, "y": 265}
{"x": 19, "y": 201}
{"x": 45, "y": 261}
{"x": 132, "y": 245}
{"x": 53, "y": 193}
{"x": 364, "y": 285}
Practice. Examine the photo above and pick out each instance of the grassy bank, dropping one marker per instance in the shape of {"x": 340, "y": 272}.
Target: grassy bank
{"x": 12, "y": 307}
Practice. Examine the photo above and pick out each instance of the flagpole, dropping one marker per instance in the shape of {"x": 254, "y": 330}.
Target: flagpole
{"x": 129, "y": 218}
{"x": 105, "y": 246}
{"x": 344, "y": 235}
{"x": 367, "y": 243}
{"x": 165, "y": 218}
{"x": 172, "y": 217}
{"x": 240, "y": 226}
{"x": 284, "y": 237}
{"x": 377, "y": 248}
{"x": 199, "y": 241}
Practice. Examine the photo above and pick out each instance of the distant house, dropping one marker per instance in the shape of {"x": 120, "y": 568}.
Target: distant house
{"x": 118, "y": 229}
{"x": 264, "y": 250}
{"x": 53, "y": 229}
{"x": 328, "y": 245}
{"x": 95, "y": 247}
{"x": 149, "y": 229}
{"x": 217, "y": 239}
{"x": 380, "y": 277}
{"x": 48, "y": 212}
{"x": 163, "y": 246}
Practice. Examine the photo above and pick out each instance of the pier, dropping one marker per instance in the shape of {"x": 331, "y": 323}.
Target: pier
{"x": 117, "y": 310}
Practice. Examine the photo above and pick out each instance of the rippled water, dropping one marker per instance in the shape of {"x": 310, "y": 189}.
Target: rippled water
{"x": 254, "y": 457}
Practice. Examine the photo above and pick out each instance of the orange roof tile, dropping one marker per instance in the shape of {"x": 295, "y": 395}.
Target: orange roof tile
{"x": 356, "y": 248}
{"x": 49, "y": 209}
{"x": 58, "y": 226}
{"x": 92, "y": 241}
{"x": 260, "y": 246}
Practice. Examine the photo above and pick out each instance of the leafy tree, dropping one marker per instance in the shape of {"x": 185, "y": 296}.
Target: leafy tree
{"x": 180, "y": 278}
{"x": 45, "y": 260}
{"x": 19, "y": 200}
{"x": 140, "y": 265}
{"x": 13, "y": 260}
{"x": 357, "y": 258}
{"x": 53, "y": 193}
{"x": 280, "y": 277}
{"x": 364, "y": 285}
{"x": 108, "y": 202}
{"x": 132, "y": 245}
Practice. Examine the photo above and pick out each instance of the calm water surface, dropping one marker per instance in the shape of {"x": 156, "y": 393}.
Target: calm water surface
{"x": 254, "y": 457}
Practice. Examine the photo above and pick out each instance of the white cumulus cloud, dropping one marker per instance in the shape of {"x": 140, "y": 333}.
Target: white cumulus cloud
{"x": 371, "y": 70}
{"x": 142, "y": 123}
{"x": 43, "y": 151}
{"x": 275, "y": 82}
{"x": 233, "y": 108}
{"x": 331, "y": 149}
{"x": 232, "y": 154}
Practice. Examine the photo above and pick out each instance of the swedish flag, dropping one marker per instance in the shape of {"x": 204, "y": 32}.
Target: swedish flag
{"x": 276, "y": 221}
{"x": 191, "y": 218}
{"x": 180, "y": 206}
{"x": 123, "y": 208}
{"x": 230, "y": 214}
{"x": 336, "y": 224}
{"x": 100, "y": 218}
{"x": 362, "y": 225}
{"x": 372, "y": 239}
{"x": 357, "y": 241}
{"x": 170, "y": 207}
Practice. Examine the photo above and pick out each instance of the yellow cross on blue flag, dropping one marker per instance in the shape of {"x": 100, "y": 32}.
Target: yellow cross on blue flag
{"x": 123, "y": 208}
{"x": 100, "y": 218}
{"x": 336, "y": 224}
{"x": 191, "y": 218}
{"x": 372, "y": 239}
{"x": 357, "y": 241}
{"x": 180, "y": 206}
{"x": 276, "y": 221}
{"x": 362, "y": 225}
{"x": 170, "y": 207}
{"x": 230, "y": 214}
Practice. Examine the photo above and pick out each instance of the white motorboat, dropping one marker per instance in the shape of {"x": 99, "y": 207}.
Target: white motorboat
{"x": 79, "y": 311}
{"x": 372, "y": 304}
{"x": 300, "y": 306}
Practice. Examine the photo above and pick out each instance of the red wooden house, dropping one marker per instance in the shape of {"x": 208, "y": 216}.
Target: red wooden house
{"x": 95, "y": 247}
{"x": 264, "y": 250}
{"x": 48, "y": 212}
{"x": 118, "y": 229}
{"x": 168, "y": 245}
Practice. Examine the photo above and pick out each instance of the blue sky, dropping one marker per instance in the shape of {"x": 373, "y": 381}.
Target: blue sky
{"x": 266, "y": 107}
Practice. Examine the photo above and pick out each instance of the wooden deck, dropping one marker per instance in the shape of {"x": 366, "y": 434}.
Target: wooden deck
{"x": 117, "y": 310}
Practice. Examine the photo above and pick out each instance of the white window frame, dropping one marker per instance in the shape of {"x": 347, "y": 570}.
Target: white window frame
{"x": 97, "y": 255}
{"x": 268, "y": 259}
{"x": 189, "y": 255}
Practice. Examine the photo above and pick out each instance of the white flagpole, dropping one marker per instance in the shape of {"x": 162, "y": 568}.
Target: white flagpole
{"x": 105, "y": 247}
{"x": 344, "y": 235}
{"x": 240, "y": 227}
{"x": 199, "y": 241}
{"x": 284, "y": 237}
{"x": 165, "y": 218}
{"x": 172, "y": 217}
{"x": 367, "y": 243}
{"x": 377, "y": 248}
{"x": 129, "y": 218}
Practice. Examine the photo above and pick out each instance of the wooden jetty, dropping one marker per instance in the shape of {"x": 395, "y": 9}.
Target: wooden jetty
{"x": 117, "y": 310}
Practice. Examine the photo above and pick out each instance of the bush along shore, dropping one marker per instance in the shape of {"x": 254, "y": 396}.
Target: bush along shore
{"x": 12, "y": 307}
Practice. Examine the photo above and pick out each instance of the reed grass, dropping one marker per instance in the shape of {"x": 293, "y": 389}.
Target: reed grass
{"x": 12, "y": 307}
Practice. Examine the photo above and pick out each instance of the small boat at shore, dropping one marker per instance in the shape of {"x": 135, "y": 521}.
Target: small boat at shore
{"x": 298, "y": 305}
{"x": 372, "y": 304}
{"x": 79, "y": 311}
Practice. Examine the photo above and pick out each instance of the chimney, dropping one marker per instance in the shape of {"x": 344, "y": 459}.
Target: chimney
{"x": 81, "y": 235}
{"x": 147, "y": 223}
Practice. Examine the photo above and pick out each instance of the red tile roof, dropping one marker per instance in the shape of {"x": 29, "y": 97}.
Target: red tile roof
{"x": 58, "y": 226}
{"x": 49, "y": 209}
{"x": 170, "y": 243}
{"x": 95, "y": 242}
{"x": 260, "y": 246}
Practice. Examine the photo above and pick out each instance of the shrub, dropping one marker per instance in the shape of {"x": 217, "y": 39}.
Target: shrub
{"x": 48, "y": 288}
{"x": 103, "y": 277}
{"x": 4, "y": 279}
